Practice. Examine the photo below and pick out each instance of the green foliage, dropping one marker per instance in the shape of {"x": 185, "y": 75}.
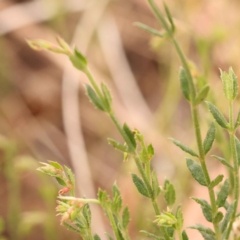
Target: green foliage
{"x": 155, "y": 185}
{"x": 223, "y": 193}
{"x": 206, "y": 208}
{"x": 184, "y": 83}
{"x": 169, "y": 193}
{"x": 140, "y": 185}
{"x": 94, "y": 98}
{"x": 184, "y": 148}
{"x": 224, "y": 223}
{"x": 196, "y": 171}
{"x": 230, "y": 84}
{"x": 208, "y": 141}
{"x": 78, "y": 60}
{"x": 130, "y": 135}
{"x": 220, "y": 119}
{"x": 125, "y": 217}
{"x": 118, "y": 146}
{"x": 216, "y": 181}
{"x": 201, "y": 95}
{"x": 223, "y": 161}
{"x": 207, "y": 233}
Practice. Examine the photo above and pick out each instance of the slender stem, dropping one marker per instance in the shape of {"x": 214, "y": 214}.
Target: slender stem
{"x": 148, "y": 171}
{"x": 235, "y": 164}
{"x": 95, "y": 86}
{"x": 82, "y": 200}
{"x": 113, "y": 223}
{"x": 155, "y": 206}
{"x": 136, "y": 157}
{"x": 198, "y": 134}
{"x": 204, "y": 167}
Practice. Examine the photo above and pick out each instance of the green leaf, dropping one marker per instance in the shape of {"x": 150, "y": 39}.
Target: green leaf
{"x": 220, "y": 119}
{"x": 169, "y": 16}
{"x": 201, "y": 95}
{"x": 218, "y": 217}
{"x": 140, "y": 185}
{"x": 169, "y": 193}
{"x": 237, "y": 142}
{"x": 148, "y": 234}
{"x": 103, "y": 197}
{"x": 216, "y": 181}
{"x": 206, "y": 208}
{"x": 61, "y": 181}
{"x": 207, "y": 144}
{"x": 117, "y": 199}
{"x": 70, "y": 175}
{"x": 107, "y": 98}
{"x": 125, "y": 217}
{"x": 56, "y": 165}
{"x": 130, "y": 135}
{"x": 78, "y": 60}
{"x": 183, "y": 147}
{"x": 223, "y": 161}
{"x": 203, "y": 229}
{"x": 230, "y": 84}
{"x": 96, "y": 237}
{"x": 184, "y": 235}
{"x": 150, "y": 150}
{"x": 155, "y": 185}
{"x": 149, "y": 29}
{"x": 223, "y": 194}
{"x": 184, "y": 83}
{"x": 118, "y": 145}
{"x": 196, "y": 171}
{"x": 227, "y": 218}
{"x": 237, "y": 121}
{"x": 87, "y": 214}
{"x": 70, "y": 227}
{"x": 94, "y": 98}
{"x": 180, "y": 219}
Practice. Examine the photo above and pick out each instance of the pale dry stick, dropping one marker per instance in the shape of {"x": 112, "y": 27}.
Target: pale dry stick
{"x": 22, "y": 14}
{"x": 121, "y": 72}
{"x": 71, "y": 115}
{"x": 29, "y": 13}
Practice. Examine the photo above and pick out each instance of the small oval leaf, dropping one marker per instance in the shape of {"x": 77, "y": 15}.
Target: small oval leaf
{"x": 207, "y": 144}
{"x": 220, "y": 119}
{"x": 94, "y": 98}
{"x": 223, "y": 194}
{"x": 140, "y": 185}
{"x": 196, "y": 171}
{"x": 184, "y": 83}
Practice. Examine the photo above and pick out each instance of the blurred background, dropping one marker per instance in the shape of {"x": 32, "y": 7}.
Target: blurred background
{"x": 45, "y": 114}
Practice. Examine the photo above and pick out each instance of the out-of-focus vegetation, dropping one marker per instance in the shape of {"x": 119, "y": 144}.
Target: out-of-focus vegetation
{"x": 46, "y": 115}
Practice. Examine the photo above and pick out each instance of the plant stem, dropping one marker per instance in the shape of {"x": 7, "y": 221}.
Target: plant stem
{"x": 204, "y": 167}
{"x": 235, "y": 164}
{"x": 155, "y": 206}
{"x": 195, "y": 119}
{"x": 92, "y": 81}
{"x": 113, "y": 223}
{"x": 137, "y": 160}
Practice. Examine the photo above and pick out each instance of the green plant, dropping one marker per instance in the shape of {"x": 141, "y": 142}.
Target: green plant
{"x": 75, "y": 212}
